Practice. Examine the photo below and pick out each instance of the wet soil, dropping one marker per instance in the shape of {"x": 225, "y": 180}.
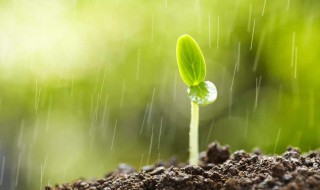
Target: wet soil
{"x": 218, "y": 169}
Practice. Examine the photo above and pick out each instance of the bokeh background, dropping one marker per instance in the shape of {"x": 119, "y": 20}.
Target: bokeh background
{"x": 87, "y": 85}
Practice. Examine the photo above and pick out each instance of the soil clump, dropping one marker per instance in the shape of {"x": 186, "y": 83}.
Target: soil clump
{"x": 218, "y": 169}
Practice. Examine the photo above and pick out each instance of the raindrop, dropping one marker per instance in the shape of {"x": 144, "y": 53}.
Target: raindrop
{"x": 249, "y": 18}
{"x": 151, "y": 105}
{"x": 196, "y": 4}
{"x": 252, "y": 34}
{"x": 37, "y": 97}
{"x": 93, "y": 122}
{"x": 96, "y": 4}
{"x": 233, "y": 76}
{"x": 202, "y": 94}
{"x": 48, "y": 114}
{"x": 114, "y": 134}
{"x": 104, "y": 111}
{"x": 264, "y": 7}
{"x": 296, "y": 92}
{"x": 258, "y": 83}
{"x": 42, "y": 169}
{"x": 72, "y": 81}
{"x": 2, "y": 169}
{"x": 257, "y": 57}
{"x": 209, "y": 29}
{"x": 288, "y": 5}
{"x": 49, "y": 184}
{"x": 29, "y": 165}
{"x": 18, "y": 170}
{"x": 218, "y": 31}
{"x": 230, "y": 103}
{"x": 277, "y": 140}
{"x": 293, "y": 48}
{"x": 158, "y": 160}
{"x": 209, "y": 133}
{"x": 160, "y": 131}
{"x": 238, "y": 59}
{"x": 295, "y": 62}
{"x": 141, "y": 161}
{"x": 150, "y": 145}
{"x": 144, "y": 118}
{"x": 103, "y": 81}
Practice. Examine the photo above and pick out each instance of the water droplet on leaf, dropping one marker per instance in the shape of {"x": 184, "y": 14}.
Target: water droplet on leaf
{"x": 202, "y": 94}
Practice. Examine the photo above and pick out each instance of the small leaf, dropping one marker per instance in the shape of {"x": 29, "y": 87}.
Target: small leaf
{"x": 190, "y": 60}
{"x": 202, "y": 94}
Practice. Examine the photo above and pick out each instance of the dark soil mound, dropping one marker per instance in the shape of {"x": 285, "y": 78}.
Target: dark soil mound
{"x": 218, "y": 170}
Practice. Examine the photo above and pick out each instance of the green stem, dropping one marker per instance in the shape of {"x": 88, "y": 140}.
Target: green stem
{"x": 193, "y": 135}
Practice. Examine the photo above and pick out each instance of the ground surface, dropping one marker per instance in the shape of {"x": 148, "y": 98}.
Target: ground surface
{"x": 218, "y": 170}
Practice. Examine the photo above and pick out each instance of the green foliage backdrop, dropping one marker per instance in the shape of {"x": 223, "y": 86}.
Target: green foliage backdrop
{"x": 85, "y": 85}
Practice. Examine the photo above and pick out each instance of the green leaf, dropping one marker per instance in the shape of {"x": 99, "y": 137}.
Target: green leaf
{"x": 190, "y": 60}
{"x": 202, "y": 94}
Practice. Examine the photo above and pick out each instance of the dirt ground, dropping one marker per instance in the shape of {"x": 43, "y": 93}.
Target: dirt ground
{"x": 218, "y": 169}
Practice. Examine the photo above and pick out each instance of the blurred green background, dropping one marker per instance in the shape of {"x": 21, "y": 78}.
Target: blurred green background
{"x": 86, "y": 85}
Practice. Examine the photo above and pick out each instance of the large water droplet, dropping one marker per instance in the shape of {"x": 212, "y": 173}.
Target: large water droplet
{"x": 202, "y": 94}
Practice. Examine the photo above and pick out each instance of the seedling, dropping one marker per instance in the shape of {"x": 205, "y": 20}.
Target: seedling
{"x": 192, "y": 68}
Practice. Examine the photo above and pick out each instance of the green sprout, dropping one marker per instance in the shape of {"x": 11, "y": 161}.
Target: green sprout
{"x": 192, "y": 68}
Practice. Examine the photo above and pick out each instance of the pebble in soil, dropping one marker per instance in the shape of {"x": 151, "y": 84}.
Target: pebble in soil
{"x": 218, "y": 169}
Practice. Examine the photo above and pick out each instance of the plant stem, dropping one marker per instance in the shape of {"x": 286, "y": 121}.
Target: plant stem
{"x": 193, "y": 135}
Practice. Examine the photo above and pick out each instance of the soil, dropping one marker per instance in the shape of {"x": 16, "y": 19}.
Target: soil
{"x": 218, "y": 169}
